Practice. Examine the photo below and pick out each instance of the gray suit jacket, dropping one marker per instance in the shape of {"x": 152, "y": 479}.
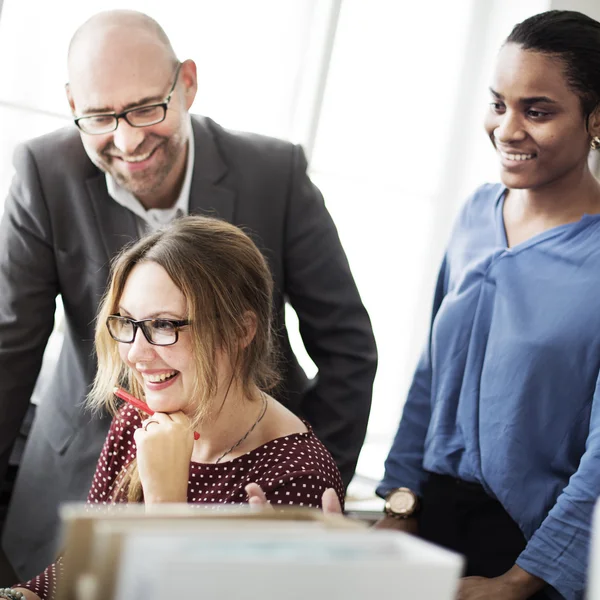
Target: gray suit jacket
{"x": 58, "y": 233}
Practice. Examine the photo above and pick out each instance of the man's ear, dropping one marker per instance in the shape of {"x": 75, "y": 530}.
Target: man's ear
{"x": 189, "y": 79}
{"x": 70, "y": 97}
{"x": 249, "y": 328}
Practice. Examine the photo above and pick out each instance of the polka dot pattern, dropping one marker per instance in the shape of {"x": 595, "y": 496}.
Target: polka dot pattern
{"x": 291, "y": 470}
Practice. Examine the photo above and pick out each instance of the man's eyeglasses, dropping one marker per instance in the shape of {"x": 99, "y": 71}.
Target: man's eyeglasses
{"x": 140, "y": 116}
{"x": 159, "y": 332}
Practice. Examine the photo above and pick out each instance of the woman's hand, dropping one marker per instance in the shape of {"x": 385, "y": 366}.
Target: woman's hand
{"x": 331, "y": 503}
{"x": 164, "y": 450}
{"x": 329, "y": 500}
{"x": 515, "y": 584}
{"x": 256, "y": 496}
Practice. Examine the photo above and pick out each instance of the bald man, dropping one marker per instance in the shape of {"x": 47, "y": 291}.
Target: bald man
{"x": 135, "y": 161}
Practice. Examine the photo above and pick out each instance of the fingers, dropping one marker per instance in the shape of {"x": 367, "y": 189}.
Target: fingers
{"x": 147, "y": 422}
{"x": 331, "y": 503}
{"x": 161, "y": 418}
{"x": 256, "y": 497}
{"x": 156, "y": 421}
{"x": 329, "y": 500}
{"x": 160, "y": 423}
{"x": 178, "y": 417}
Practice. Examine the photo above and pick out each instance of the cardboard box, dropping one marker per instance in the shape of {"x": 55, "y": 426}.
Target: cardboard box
{"x": 184, "y": 551}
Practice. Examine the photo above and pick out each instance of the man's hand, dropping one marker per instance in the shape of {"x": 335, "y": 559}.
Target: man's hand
{"x": 409, "y": 525}
{"x": 329, "y": 500}
{"x": 515, "y": 584}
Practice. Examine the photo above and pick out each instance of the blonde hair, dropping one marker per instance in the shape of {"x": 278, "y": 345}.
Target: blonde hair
{"x": 223, "y": 277}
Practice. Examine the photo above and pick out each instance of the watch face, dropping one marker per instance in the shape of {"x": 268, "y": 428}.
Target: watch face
{"x": 401, "y": 502}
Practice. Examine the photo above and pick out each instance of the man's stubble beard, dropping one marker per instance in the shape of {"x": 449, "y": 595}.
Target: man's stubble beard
{"x": 144, "y": 182}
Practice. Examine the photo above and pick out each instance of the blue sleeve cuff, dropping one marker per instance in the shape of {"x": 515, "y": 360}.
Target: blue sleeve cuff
{"x": 565, "y": 585}
{"x": 412, "y": 483}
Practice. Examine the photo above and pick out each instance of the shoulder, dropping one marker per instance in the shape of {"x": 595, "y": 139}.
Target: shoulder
{"x": 296, "y": 470}
{"x": 58, "y": 151}
{"x": 299, "y": 455}
{"x": 244, "y": 146}
{"x": 487, "y": 191}
{"x": 482, "y": 200}
{"x": 478, "y": 213}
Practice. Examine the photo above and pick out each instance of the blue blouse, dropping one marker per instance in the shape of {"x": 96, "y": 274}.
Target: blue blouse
{"x": 506, "y": 392}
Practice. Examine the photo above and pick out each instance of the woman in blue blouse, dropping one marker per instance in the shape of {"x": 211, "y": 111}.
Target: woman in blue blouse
{"x": 498, "y": 449}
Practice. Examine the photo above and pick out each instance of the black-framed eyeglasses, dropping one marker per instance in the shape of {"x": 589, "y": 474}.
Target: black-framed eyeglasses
{"x": 139, "y": 116}
{"x": 159, "y": 332}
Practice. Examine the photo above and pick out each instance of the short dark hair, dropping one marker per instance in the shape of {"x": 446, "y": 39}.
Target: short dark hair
{"x": 573, "y": 38}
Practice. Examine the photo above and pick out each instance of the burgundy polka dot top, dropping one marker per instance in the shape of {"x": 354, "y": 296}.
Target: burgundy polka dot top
{"x": 291, "y": 470}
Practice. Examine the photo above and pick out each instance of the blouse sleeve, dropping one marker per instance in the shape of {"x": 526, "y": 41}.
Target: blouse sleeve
{"x": 44, "y": 584}
{"x": 304, "y": 488}
{"x": 117, "y": 451}
{"x": 558, "y": 552}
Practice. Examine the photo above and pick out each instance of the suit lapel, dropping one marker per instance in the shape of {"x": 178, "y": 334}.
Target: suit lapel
{"x": 117, "y": 225}
{"x": 209, "y": 194}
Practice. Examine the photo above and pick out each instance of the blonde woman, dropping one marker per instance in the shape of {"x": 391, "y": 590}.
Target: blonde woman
{"x": 186, "y": 326}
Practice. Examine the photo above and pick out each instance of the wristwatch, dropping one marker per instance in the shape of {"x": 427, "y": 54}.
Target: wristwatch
{"x": 401, "y": 503}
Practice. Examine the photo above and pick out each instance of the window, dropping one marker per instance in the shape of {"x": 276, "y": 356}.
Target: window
{"x": 399, "y": 141}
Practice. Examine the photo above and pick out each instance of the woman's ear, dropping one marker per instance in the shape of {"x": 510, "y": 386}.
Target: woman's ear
{"x": 250, "y": 326}
{"x": 594, "y": 123}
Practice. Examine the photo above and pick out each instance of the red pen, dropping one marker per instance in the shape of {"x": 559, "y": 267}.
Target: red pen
{"x": 137, "y": 403}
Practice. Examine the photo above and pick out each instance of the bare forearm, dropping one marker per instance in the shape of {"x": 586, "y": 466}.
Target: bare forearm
{"x": 166, "y": 497}
{"x": 409, "y": 525}
{"x": 515, "y": 584}
{"x": 523, "y": 581}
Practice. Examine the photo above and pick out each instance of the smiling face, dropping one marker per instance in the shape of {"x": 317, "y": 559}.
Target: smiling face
{"x": 115, "y": 69}
{"x": 535, "y": 121}
{"x": 166, "y": 373}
